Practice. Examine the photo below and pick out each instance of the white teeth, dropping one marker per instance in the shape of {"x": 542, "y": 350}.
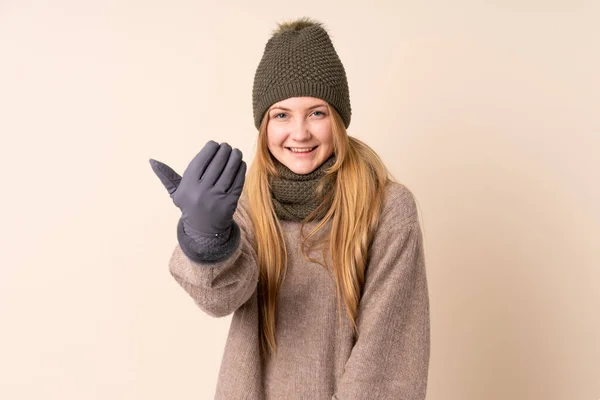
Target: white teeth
{"x": 301, "y": 150}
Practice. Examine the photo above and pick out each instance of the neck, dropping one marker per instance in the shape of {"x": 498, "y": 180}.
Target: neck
{"x": 294, "y": 195}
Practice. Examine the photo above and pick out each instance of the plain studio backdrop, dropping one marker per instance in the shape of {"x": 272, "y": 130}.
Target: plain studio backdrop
{"x": 489, "y": 111}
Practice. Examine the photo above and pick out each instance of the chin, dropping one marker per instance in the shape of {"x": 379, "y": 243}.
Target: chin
{"x": 302, "y": 171}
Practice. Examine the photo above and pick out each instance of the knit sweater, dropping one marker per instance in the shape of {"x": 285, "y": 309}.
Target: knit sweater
{"x": 317, "y": 359}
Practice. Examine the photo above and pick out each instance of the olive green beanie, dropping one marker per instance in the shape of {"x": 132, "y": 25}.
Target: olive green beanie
{"x": 300, "y": 60}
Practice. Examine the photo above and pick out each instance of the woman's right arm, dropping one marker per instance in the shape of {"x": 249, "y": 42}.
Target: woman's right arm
{"x": 219, "y": 274}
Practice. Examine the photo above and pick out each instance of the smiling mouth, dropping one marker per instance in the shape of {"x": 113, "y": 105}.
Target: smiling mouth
{"x": 303, "y": 152}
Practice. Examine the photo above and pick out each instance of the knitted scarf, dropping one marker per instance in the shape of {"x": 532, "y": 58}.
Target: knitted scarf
{"x": 294, "y": 196}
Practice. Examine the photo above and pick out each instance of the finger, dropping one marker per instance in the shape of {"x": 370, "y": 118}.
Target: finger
{"x": 217, "y": 165}
{"x": 169, "y": 178}
{"x": 240, "y": 178}
{"x": 231, "y": 169}
{"x": 197, "y": 167}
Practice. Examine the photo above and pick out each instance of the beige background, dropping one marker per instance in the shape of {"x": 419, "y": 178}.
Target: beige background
{"x": 487, "y": 110}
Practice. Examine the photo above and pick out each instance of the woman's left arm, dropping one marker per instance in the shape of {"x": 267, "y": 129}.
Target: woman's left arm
{"x": 390, "y": 359}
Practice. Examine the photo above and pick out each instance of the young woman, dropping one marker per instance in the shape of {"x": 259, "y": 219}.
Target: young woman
{"x": 319, "y": 222}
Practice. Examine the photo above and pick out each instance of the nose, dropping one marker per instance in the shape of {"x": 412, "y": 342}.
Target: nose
{"x": 300, "y": 131}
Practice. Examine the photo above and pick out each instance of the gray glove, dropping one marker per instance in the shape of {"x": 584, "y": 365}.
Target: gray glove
{"x": 209, "y": 190}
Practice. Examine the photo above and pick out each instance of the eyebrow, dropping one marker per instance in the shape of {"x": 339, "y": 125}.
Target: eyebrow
{"x": 287, "y": 109}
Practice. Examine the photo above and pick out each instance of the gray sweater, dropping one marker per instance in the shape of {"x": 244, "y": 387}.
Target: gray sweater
{"x": 316, "y": 359}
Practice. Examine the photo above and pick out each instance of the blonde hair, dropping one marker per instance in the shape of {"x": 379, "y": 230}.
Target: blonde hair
{"x": 359, "y": 178}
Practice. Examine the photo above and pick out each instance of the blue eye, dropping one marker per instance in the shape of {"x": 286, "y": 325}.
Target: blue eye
{"x": 276, "y": 116}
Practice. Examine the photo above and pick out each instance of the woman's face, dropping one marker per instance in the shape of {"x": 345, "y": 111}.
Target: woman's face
{"x": 304, "y": 123}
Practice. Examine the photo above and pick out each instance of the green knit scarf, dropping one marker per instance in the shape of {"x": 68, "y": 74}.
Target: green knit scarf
{"x": 294, "y": 196}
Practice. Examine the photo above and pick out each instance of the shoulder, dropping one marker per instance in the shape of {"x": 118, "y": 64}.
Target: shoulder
{"x": 242, "y": 213}
{"x": 399, "y": 205}
{"x": 243, "y": 201}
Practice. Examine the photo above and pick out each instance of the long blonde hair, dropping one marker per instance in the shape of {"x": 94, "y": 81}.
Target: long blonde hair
{"x": 353, "y": 206}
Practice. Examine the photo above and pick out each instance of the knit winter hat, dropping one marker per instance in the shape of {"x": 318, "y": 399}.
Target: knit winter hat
{"x": 300, "y": 60}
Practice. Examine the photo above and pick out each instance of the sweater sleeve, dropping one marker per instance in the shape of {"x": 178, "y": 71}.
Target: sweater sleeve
{"x": 390, "y": 359}
{"x": 219, "y": 285}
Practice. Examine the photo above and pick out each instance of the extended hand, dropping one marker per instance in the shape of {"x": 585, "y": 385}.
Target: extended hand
{"x": 209, "y": 190}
